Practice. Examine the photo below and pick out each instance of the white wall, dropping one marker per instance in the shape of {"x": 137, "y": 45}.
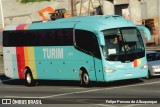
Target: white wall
{"x": 135, "y": 11}
{"x": 151, "y": 8}
{"x": 13, "y": 8}
{"x": 0, "y": 42}
{"x": 108, "y": 8}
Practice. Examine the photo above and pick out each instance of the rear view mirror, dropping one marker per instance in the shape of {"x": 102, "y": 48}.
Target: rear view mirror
{"x": 145, "y": 31}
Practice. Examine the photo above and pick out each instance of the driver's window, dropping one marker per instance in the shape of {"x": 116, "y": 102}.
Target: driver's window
{"x": 158, "y": 56}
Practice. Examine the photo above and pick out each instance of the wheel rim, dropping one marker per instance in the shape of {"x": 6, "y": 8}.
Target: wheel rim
{"x": 86, "y": 78}
{"x": 29, "y": 78}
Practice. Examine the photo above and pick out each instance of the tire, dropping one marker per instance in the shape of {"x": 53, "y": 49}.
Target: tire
{"x": 149, "y": 75}
{"x": 85, "y": 80}
{"x": 29, "y": 79}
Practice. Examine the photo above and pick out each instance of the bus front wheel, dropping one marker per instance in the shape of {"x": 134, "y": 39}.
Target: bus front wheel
{"x": 85, "y": 81}
{"x": 29, "y": 79}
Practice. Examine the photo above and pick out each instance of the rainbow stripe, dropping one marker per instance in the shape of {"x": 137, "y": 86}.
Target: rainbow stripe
{"x": 20, "y": 61}
{"x": 30, "y": 55}
{"x": 22, "y": 27}
{"x": 25, "y": 57}
{"x": 136, "y": 62}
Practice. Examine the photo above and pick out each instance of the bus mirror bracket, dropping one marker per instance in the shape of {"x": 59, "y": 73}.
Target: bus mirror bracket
{"x": 146, "y": 31}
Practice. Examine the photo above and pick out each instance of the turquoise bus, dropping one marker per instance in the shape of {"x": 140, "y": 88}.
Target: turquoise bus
{"x": 85, "y": 49}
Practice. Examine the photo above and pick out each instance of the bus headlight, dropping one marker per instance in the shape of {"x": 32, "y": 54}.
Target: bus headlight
{"x": 144, "y": 66}
{"x": 109, "y": 69}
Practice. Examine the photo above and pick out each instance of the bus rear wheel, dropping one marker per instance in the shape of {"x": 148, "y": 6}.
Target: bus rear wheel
{"x": 85, "y": 81}
{"x": 29, "y": 79}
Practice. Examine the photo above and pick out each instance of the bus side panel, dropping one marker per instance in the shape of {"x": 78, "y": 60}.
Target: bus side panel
{"x": 15, "y": 67}
{"x": 62, "y": 63}
{"x": 16, "y": 59}
{"x": 45, "y": 64}
{"x": 10, "y": 62}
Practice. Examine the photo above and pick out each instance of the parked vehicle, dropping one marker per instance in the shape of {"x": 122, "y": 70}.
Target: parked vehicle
{"x": 153, "y": 59}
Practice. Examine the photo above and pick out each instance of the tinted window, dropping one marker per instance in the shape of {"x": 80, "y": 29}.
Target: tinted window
{"x": 123, "y": 44}
{"x": 50, "y": 37}
{"x": 87, "y": 42}
{"x": 153, "y": 56}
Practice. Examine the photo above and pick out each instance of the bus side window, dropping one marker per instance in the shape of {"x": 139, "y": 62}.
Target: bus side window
{"x": 87, "y": 42}
{"x": 46, "y": 37}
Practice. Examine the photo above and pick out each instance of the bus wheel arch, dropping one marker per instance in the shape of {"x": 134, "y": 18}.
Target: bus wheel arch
{"x": 84, "y": 77}
{"x": 29, "y": 80}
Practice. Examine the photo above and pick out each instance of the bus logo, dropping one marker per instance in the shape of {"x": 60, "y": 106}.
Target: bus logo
{"x": 53, "y": 53}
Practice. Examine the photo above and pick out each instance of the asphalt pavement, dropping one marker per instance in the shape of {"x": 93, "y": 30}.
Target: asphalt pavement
{"x": 70, "y": 94}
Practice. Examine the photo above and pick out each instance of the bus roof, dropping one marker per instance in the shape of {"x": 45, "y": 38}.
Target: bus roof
{"x": 90, "y": 23}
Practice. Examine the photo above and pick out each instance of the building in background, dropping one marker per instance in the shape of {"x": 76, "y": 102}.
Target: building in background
{"x": 151, "y": 18}
{"x": 0, "y": 42}
{"x": 146, "y": 12}
{"x": 135, "y": 10}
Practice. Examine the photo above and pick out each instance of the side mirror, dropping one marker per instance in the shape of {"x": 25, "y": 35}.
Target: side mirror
{"x": 146, "y": 32}
{"x": 101, "y": 39}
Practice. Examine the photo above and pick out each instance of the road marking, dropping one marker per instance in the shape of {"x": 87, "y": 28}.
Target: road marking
{"x": 87, "y": 91}
{"x": 132, "y": 105}
{"x": 105, "y": 105}
{"x": 51, "y": 96}
{"x": 20, "y": 97}
{"x": 157, "y": 91}
{"x": 74, "y": 88}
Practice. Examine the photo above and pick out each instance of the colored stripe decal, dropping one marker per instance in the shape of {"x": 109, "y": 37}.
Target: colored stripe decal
{"x": 21, "y": 27}
{"x": 26, "y": 57}
{"x": 32, "y": 64}
{"x": 20, "y": 61}
{"x": 137, "y": 62}
{"x": 26, "y": 27}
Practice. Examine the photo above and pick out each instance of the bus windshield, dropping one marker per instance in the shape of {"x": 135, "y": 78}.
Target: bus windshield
{"x": 123, "y": 44}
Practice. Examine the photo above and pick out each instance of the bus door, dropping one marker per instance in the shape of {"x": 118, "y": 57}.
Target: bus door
{"x": 97, "y": 59}
{"x": 98, "y": 69}
{"x": 87, "y": 42}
